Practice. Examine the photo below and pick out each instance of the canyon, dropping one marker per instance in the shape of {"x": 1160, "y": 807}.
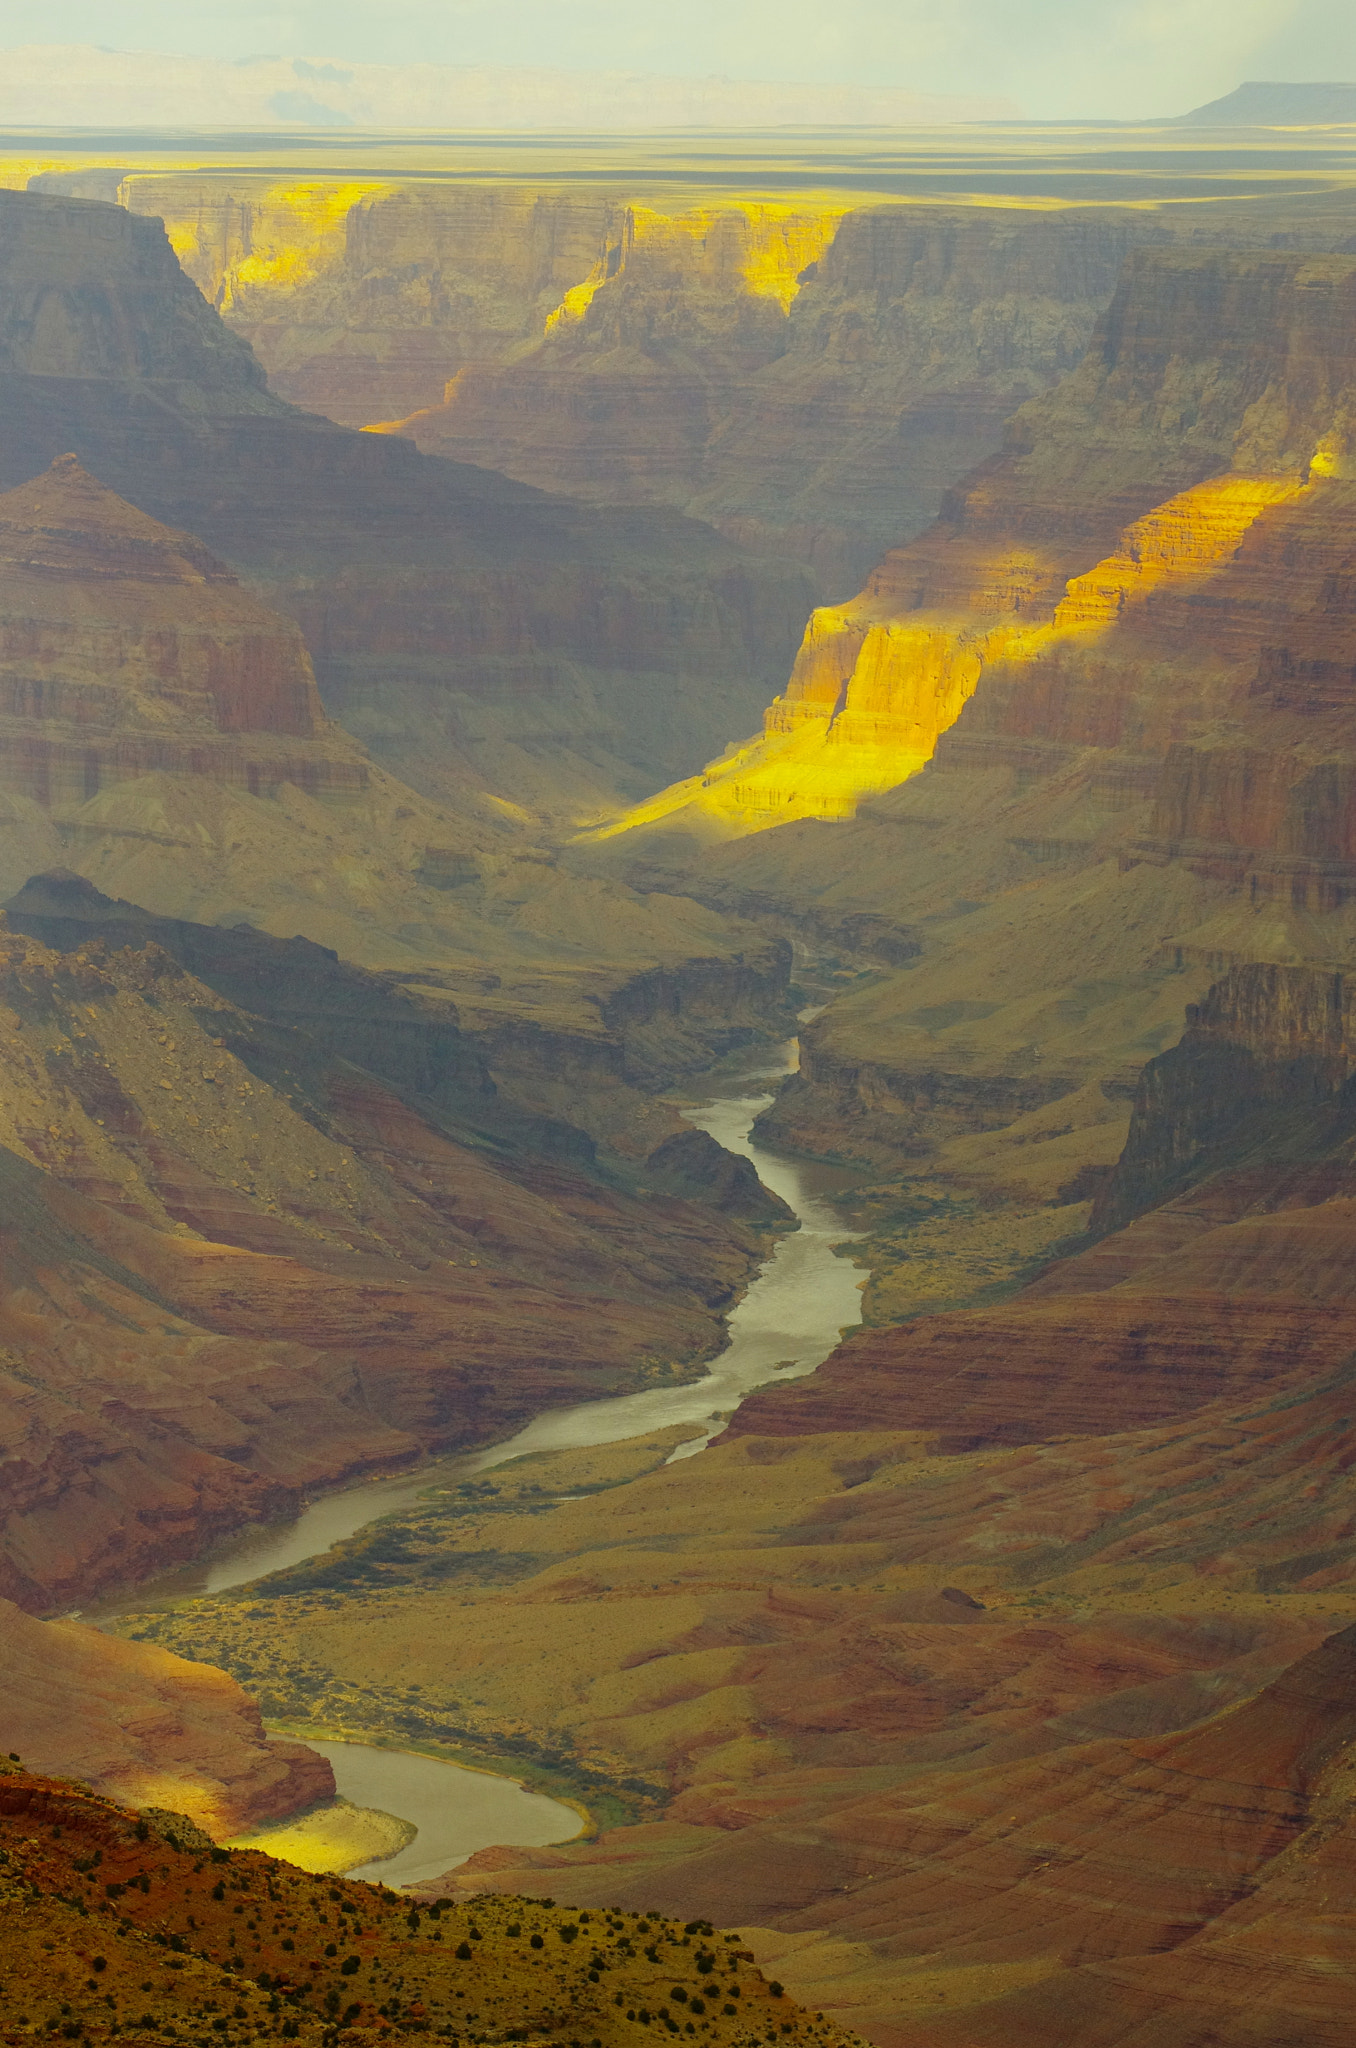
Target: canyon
{"x": 993, "y": 1679}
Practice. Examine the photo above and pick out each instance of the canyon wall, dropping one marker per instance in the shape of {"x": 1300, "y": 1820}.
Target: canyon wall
{"x": 473, "y": 632}
{"x": 821, "y": 391}
{"x": 162, "y": 734}
{"x": 1129, "y": 646}
{"x": 809, "y": 375}
{"x": 1173, "y": 475}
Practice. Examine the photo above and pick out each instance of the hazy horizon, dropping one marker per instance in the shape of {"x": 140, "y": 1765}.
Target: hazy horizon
{"x": 1107, "y": 59}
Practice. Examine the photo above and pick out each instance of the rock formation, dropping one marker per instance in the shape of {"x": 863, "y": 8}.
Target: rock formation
{"x": 804, "y": 374}
{"x": 1130, "y": 642}
{"x": 151, "y": 1730}
{"x": 999, "y": 1676}
{"x": 162, "y": 732}
{"x": 1267, "y": 103}
{"x": 127, "y": 650}
{"x": 814, "y": 377}
{"x": 809, "y": 373}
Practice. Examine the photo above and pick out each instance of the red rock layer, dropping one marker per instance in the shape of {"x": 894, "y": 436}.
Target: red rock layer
{"x": 1222, "y": 1292}
{"x": 148, "y": 1729}
{"x": 128, "y": 649}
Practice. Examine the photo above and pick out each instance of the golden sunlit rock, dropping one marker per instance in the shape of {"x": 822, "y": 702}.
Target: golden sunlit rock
{"x": 873, "y": 691}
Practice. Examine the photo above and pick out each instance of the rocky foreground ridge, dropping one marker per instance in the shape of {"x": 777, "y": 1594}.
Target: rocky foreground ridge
{"x": 129, "y": 1927}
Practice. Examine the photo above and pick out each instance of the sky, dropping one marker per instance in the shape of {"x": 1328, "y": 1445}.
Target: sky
{"x": 1101, "y": 58}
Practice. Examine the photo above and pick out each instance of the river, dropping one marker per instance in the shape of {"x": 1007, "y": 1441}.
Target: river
{"x": 797, "y": 1306}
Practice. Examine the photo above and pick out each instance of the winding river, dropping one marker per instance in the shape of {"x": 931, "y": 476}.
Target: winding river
{"x": 790, "y": 1319}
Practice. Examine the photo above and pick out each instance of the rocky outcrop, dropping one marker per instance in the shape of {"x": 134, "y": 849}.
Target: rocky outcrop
{"x": 585, "y": 1109}
{"x": 88, "y": 294}
{"x": 1062, "y": 584}
{"x": 1260, "y": 1076}
{"x": 129, "y": 650}
{"x": 160, "y": 729}
{"x": 808, "y": 376}
{"x": 152, "y": 1729}
{"x": 1128, "y": 643}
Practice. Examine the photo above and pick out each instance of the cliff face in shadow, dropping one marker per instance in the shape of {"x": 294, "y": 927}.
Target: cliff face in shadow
{"x": 810, "y": 375}
{"x": 151, "y": 1729}
{"x": 1261, "y": 1074}
{"x": 161, "y": 732}
{"x": 476, "y": 633}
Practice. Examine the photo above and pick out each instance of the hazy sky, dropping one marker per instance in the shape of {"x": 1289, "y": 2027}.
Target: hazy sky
{"x": 1097, "y": 57}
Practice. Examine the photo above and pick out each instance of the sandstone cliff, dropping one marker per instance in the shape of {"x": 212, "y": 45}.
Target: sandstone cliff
{"x": 1128, "y": 646}
{"x": 805, "y": 373}
{"x": 1259, "y": 1076}
{"x": 820, "y": 391}
{"x": 161, "y": 732}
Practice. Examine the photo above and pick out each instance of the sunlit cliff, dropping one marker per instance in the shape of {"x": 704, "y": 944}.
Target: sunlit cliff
{"x": 873, "y": 689}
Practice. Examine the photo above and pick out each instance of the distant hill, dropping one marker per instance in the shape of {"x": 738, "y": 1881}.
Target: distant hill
{"x": 51, "y": 85}
{"x": 1262, "y": 103}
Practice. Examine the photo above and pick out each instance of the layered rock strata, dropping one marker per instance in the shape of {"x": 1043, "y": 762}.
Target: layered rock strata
{"x": 127, "y": 650}
{"x": 474, "y": 631}
{"x": 161, "y": 731}
{"x": 1129, "y": 642}
{"x": 806, "y": 373}
{"x": 810, "y": 376}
